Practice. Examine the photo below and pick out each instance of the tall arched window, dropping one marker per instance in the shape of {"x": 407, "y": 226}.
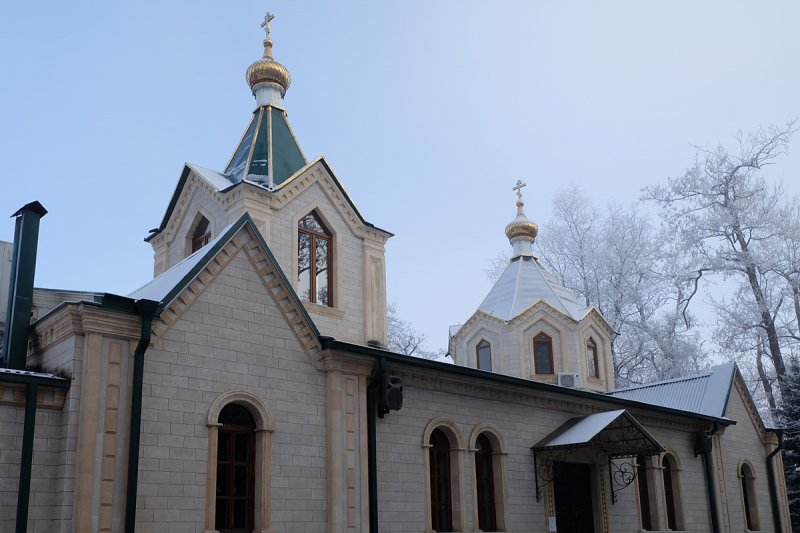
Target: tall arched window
{"x": 672, "y": 493}
{"x": 441, "y": 495}
{"x": 484, "y": 479}
{"x": 314, "y": 260}
{"x": 201, "y": 235}
{"x": 235, "y": 470}
{"x": 747, "y": 478}
{"x": 484, "y": 355}
{"x": 646, "y": 505}
{"x": 543, "y": 354}
{"x": 592, "y": 363}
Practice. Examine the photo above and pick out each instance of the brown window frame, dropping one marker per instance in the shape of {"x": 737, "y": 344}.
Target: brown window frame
{"x": 591, "y": 356}
{"x": 441, "y": 481}
{"x": 314, "y": 236}
{"x": 201, "y": 235}
{"x": 484, "y": 480}
{"x": 645, "y": 508}
{"x": 229, "y": 434}
{"x": 750, "y": 506}
{"x": 540, "y": 339}
{"x": 480, "y": 346}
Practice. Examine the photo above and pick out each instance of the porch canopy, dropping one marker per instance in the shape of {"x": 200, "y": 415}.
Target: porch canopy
{"x": 616, "y": 433}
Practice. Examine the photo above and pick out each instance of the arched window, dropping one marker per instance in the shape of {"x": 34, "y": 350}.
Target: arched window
{"x": 484, "y": 479}
{"x": 592, "y": 362}
{"x": 543, "y": 354}
{"x": 314, "y": 260}
{"x": 201, "y": 235}
{"x": 441, "y": 494}
{"x": 235, "y": 470}
{"x": 484, "y": 355}
{"x": 646, "y": 503}
{"x": 238, "y": 471}
{"x": 672, "y": 493}
{"x": 748, "y": 478}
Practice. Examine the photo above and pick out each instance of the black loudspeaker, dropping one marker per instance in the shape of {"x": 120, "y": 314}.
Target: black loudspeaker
{"x": 702, "y": 442}
{"x": 390, "y": 394}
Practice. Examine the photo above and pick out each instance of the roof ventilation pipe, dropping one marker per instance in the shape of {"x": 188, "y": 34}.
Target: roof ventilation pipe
{"x": 20, "y": 293}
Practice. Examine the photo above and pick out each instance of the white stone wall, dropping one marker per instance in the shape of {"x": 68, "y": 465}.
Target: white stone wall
{"x": 53, "y": 473}
{"x": 232, "y": 337}
{"x": 522, "y": 423}
{"x": 736, "y": 444}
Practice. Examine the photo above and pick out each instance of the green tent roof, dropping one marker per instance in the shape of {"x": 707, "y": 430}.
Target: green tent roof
{"x": 268, "y": 145}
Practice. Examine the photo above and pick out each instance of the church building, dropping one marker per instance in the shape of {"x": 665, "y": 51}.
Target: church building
{"x": 247, "y": 387}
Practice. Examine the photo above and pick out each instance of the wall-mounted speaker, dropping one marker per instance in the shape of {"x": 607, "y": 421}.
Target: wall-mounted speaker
{"x": 390, "y": 394}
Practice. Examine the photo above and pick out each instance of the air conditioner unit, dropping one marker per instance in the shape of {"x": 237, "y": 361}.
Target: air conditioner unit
{"x": 569, "y": 379}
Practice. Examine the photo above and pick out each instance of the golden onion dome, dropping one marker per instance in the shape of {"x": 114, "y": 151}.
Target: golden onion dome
{"x": 266, "y": 69}
{"x": 521, "y": 226}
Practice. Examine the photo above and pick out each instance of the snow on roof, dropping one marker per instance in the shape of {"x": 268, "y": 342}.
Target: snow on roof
{"x": 705, "y": 394}
{"x": 581, "y": 430}
{"x": 525, "y": 281}
{"x": 159, "y": 287}
{"x": 219, "y": 181}
{"x": 30, "y": 373}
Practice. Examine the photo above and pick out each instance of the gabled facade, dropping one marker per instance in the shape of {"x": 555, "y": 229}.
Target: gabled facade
{"x": 269, "y": 178}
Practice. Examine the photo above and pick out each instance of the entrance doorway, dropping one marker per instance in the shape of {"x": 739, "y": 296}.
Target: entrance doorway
{"x": 573, "y": 494}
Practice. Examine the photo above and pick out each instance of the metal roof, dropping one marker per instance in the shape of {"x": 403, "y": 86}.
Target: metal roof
{"x": 159, "y": 287}
{"x": 615, "y": 432}
{"x": 705, "y": 394}
{"x": 524, "y": 282}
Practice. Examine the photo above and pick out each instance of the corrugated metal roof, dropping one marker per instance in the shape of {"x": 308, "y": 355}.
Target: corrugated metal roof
{"x": 524, "y": 282}
{"x": 705, "y": 394}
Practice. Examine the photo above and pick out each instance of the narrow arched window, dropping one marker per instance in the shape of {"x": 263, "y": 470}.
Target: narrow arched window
{"x": 592, "y": 362}
{"x": 314, "y": 281}
{"x": 201, "y": 235}
{"x": 672, "y": 493}
{"x": 484, "y": 479}
{"x": 235, "y": 470}
{"x": 747, "y": 478}
{"x": 484, "y": 355}
{"x": 646, "y": 508}
{"x": 441, "y": 495}
{"x": 543, "y": 354}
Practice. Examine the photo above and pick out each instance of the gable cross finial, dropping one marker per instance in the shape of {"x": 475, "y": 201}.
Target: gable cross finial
{"x": 267, "y": 19}
{"x": 518, "y": 188}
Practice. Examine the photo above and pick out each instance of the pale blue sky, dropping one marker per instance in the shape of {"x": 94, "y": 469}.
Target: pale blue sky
{"x": 427, "y": 111}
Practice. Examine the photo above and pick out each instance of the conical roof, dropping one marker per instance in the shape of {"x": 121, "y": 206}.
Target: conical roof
{"x": 524, "y": 282}
{"x": 268, "y": 152}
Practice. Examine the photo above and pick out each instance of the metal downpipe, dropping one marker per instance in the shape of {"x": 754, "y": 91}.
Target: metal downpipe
{"x": 773, "y": 491}
{"x": 26, "y": 462}
{"x": 711, "y": 485}
{"x": 372, "y": 452}
{"x": 146, "y": 310}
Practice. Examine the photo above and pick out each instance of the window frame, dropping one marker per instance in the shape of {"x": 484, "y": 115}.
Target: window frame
{"x": 486, "y": 501}
{"x": 230, "y": 463}
{"x": 648, "y": 512}
{"x": 539, "y": 339}
{"x": 264, "y": 426}
{"x": 197, "y": 239}
{"x": 673, "y": 500}
{"x": 747, "y": 487}
{"x": 314, "y": 236}
{"x": 441, "y": 481}
{"x": 593, "y": 358}
{"x": 456, "y": 461}
{"x": 483, "y": 344}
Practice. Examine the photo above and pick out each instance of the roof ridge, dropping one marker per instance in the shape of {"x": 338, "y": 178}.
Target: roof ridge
{"x": 663, "y": 382}
{"x": 550, "y": 285}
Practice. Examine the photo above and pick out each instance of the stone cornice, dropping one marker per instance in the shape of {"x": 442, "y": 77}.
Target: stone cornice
{"x": 79, "y": 318}
{"x": 415, "y": 377}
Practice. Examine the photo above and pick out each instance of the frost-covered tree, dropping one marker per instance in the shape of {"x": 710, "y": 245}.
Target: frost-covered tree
{"x": 722, "y": 213}
{"x": 789, "y": 418}
{"x": 404, "y": 338}
{"x": 615, "y": 261}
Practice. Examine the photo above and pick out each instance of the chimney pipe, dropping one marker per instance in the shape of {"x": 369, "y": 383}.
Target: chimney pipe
{"x": 20, "y": 293}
